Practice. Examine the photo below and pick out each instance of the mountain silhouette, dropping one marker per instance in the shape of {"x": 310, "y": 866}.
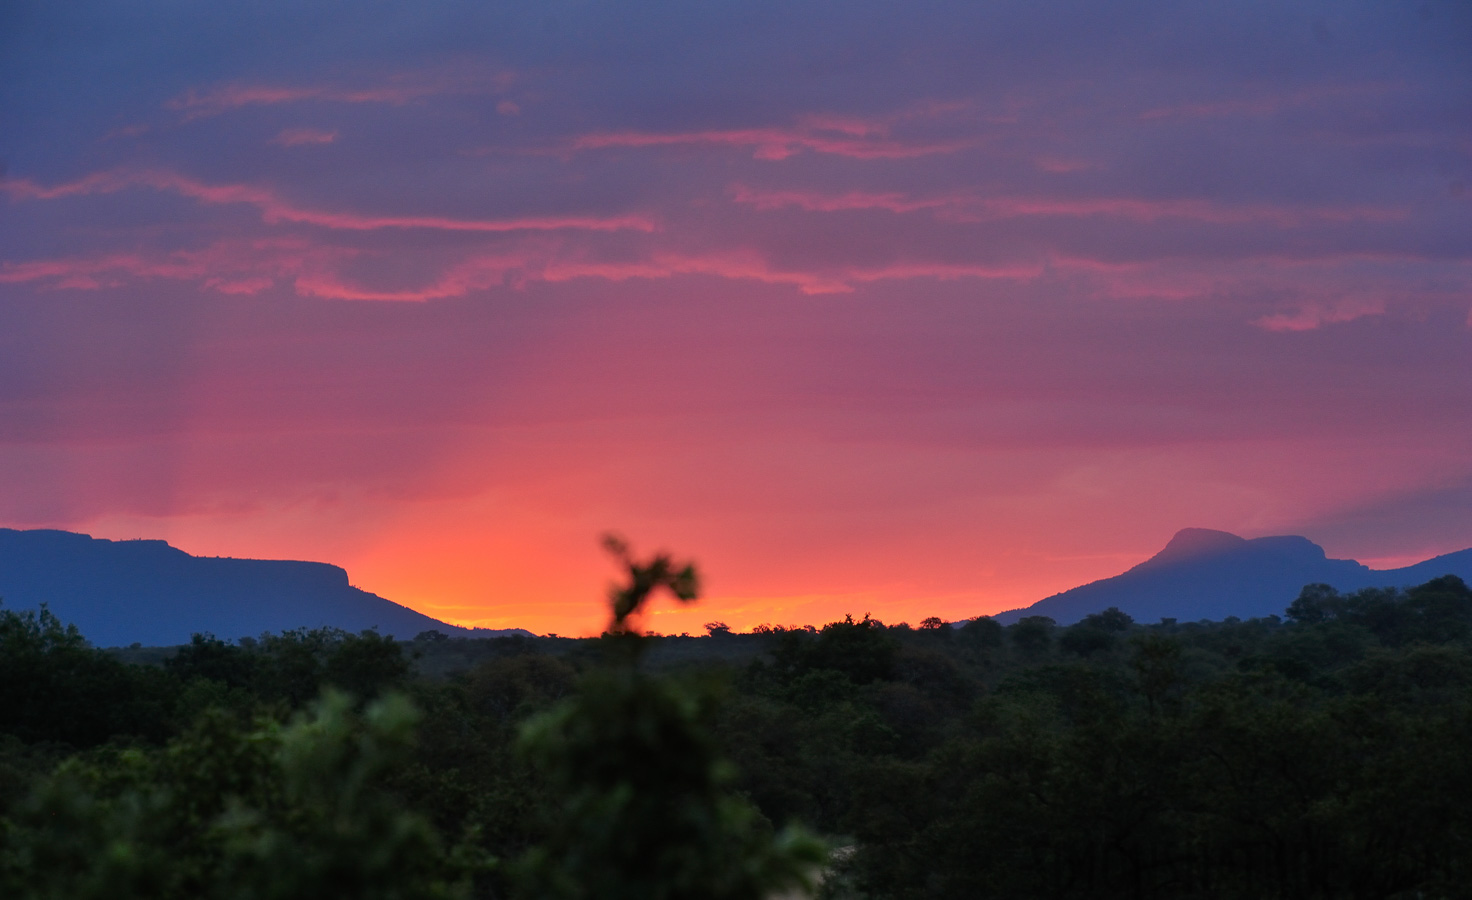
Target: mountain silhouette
{"x": 1206, "y": 574}
{"x": 121, "y": 592}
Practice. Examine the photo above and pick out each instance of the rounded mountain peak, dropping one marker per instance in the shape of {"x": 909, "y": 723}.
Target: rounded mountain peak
{"x": 1194, "y": 543}
{"x": 1290, "y": 545}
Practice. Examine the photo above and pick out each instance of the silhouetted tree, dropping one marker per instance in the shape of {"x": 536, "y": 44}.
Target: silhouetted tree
{"x": 644, "y": 807}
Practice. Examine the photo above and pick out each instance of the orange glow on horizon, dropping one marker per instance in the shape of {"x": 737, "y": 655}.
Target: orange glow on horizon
{"x": 520, "y": 549}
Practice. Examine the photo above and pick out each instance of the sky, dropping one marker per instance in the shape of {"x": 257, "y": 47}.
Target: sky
{"x": 933, "y": 308}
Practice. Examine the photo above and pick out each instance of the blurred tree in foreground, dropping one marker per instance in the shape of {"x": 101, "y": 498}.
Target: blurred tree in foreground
{"x": 644, "y": 809}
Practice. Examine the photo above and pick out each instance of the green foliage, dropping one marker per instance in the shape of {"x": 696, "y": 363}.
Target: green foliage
{"x": 55, "y": 688}
{"x": 1032, "y": 634}
{"x": 643, "y": 804}
{"x": 294, "y": 666}
{"x": 1438, "y": 610}
{"x": 265, "y": 813}
{"x": 508, "y": 690}
{"x": 642, "y": 807}
{"x": 1238, "y": 759}
{"x": 208, "y": 657}
{"x": 1322, "y": 755}
{"x": 861, "y": 651}
{"x": 983, "y": 631}
{"x": 1085, "y": 640}
{"x": 366, "y": 665}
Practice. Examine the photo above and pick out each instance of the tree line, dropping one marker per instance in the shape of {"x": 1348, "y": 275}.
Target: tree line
{"x": 1317, "y": 754}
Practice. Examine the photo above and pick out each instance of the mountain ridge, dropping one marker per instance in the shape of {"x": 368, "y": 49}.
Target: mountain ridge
{"x": 1203, "y": 573}
{"x": 149, "y": 592}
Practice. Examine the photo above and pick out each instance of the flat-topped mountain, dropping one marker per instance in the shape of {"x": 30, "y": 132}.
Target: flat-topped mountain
{"x": 121, "y": 592}
{"x": 1206, "y": 574}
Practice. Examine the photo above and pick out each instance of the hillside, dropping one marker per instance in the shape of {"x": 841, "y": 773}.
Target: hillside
{"x": 122, "y": 592}
{"x": 1207, "y": 574}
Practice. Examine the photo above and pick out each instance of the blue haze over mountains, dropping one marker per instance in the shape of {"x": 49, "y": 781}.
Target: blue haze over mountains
{"x": 123, "y": 592}
{"x": 1207, "y": 574}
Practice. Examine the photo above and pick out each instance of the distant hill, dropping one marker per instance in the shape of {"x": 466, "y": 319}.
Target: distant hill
{"x": 1206, "y": 574}
{"x": 121, "y": 592}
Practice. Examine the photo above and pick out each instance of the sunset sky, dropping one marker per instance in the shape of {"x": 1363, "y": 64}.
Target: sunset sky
{"x": 903, "y": 308}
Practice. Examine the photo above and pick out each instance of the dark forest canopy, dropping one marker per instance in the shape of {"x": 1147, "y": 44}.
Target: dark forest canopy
{"x": 1320, "y": 753}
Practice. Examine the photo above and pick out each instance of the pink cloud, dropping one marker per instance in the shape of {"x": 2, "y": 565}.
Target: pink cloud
{"x": 1140, "y": 282}
{"x": 1314, "y": 315}
{"x": 813, "y": 201}
{"x": 773, "y": 143}
{"x": 247, "y": 268}
{"x": 240, "y": 285}
{"x": 274, "y": 209}
{"x": 849, "y": 125}
{"x": 732, "y": 265}
{"x": 1197, "y": 210}
{"x": 196, "y": 103}
{"x": 880, "y": 126}
{"x": 746, "y": 265}
{"x": 297, "y": 137}
{"x": 96, "y": 183}
{"x": 947, "y": 271}
{"x": 91, "y": 274}
{"x": 538, "y": 263}
{"x": 975, "y": 207}
{"x": 476, "y": 273}
{"x": 1313, "y": 292}
{"x": 236, "y": 268}
{"x": 37, "y": 270}
{"x": 228, "y": 267}
{"x": 849, "y": 136}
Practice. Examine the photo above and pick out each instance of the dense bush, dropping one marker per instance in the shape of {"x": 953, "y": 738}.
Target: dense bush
{"x": 1318, "y": 755}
